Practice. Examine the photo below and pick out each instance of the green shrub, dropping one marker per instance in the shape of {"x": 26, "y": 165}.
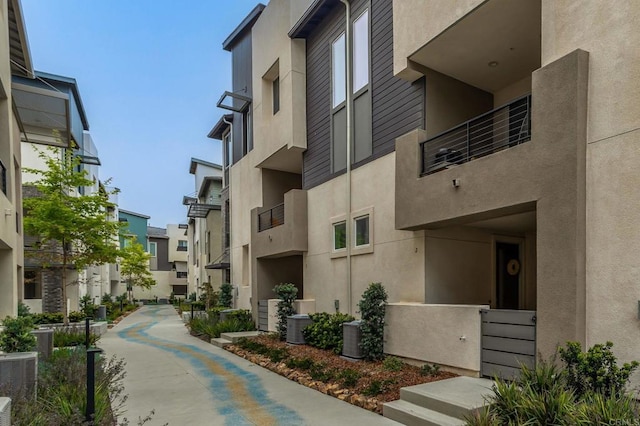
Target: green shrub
{"x": 23, "y": 310}
{"x": 287, "y": 294}
{"x": 88, "y": 308}
{"x": 599, "y": 409}
{"x": 65, "y": 338}
{"x": 243, "y": 315}
{"x": 429, "y": 370}
{"x": 349, "y": 377}
{"x": 301, "y": 363}
{"x": 47, "y": 318}
{"x": 320, "y": 372}
{"x": 252, "y": 346}
{"x": 392, "y": 363}
{"x": 212, "y": 328}
{"x": 192, "y": 296}
{"x": 595, "y": 370}
{"x": 76, "y": 316}
{"x": 372, "y": 311}
{"x": 225, "y": 298}
{"x": 16, "y": 336}
{"x": 277, "y": 354}
{"x": 376, "y": 387}
{"x": 106, "y": 299}
{"x": 325, "y": 332}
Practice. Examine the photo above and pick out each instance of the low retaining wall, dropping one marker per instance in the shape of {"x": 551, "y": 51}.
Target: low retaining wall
{"x": 97, "y": 327}
{"x": 443, "y": 334}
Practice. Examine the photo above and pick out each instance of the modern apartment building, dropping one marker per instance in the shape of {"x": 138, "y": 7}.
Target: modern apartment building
{"x": 167, "y": 264}
{"x": 15, "y": 59}
{"x": 489, "y": 182}
{"x": 204, "y": 233}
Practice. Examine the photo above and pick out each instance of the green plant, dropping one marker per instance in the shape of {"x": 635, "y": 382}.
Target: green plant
{"x": 372, "y": 311}
{"x": 106, "y": 299}
{"x": 392, "y": 363}
{"x": 277, "y": 354}
{"x": 376, "y": 387}
{"x": 325, "y": 332}
{"x": 134, "y": 267}
{"x": 192, "y": 296}
{"x": 243, "y": 315}
{"x": 47, "y": 318}
{"x": 429, "y": 370}
{"x": 23, "y": 310}
{"x": 320, "y": 372}
{"x": 87, "y": 307}
{"x": 596, "y": 370}
{"x": 287, "y": 294}
{"x": 75, "y": 316}
{"x": 349, "y": 377}
{"x": 16, "y": 336}
{"x": 225, "y": 299}
{"x": 65, "y": 338}
{"x": 599, "y": 409}
{"x": 301, "y": 363}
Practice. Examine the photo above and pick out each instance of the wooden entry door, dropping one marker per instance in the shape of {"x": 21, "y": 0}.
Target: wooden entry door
{"x": 508, "y": 272}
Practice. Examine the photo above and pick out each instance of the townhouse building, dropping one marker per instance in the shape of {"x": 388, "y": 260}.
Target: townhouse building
{"x": 15, "y": 59}
{"x": 204, "y": 229}
{"x": 489, "y": 180}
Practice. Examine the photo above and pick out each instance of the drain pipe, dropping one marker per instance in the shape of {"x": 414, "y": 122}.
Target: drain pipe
{"x": 349, "y": 102}
{"x": 229, "y": 146}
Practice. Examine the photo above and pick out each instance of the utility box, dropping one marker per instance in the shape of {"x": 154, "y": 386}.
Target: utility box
{"x": 352, "y": 336}
{"x": 295, "y": 324}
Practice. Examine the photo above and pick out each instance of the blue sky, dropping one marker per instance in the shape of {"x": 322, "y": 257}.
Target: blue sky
{"x": 150, "y": 73}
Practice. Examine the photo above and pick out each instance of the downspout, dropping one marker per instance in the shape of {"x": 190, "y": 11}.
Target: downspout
{"x": 349, "y": 102}
{"x": 227, "y": 183}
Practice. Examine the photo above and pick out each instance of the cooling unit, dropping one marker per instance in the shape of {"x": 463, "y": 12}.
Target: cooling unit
{"x": 351, "y": 335}
{"x": 19, "y": 371}
{"x": 5, "y": 411}
{"x": 295, "y": 324}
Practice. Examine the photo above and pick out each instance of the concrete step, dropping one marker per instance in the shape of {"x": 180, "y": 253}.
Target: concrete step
{"x": 234, "y": 337}
{"x": 457, "y": 397}
{"x": 413, "y": 415}
{"x": 220, "y": 342}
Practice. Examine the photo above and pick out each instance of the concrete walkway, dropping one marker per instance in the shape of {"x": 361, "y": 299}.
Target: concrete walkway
{"x": 187, "y": 381}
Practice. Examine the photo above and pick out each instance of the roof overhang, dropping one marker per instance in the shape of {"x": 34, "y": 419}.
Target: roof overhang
{"x": 246, "y": 24}
{"x": 187, "y": 200}
{"x": 221, "y": 127}
{"x": 43, "y": 115}
{"x": 18, "y": 42}
{"x": 312, "y": 17}
{"x": 90, "y": 160}
{"x": 206, "y": 182}
{"x": 198, "y": 210}
{"x": 222, "y": 262}
{"x": 236, "y": 103}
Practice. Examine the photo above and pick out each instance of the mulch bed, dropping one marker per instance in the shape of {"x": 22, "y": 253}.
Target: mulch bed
{"x": 369, "y": 372}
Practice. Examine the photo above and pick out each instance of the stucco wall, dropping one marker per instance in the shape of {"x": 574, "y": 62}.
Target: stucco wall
{"x": 443, "y": 334}
{"x": 613, "y": 135}
{"x": 274, "y": 54}
{"x": 245, "y": 193}
{"x": 409, "y": 33}
{"x": 397, "y": 259}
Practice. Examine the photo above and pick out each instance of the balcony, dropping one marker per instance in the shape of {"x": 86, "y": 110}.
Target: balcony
{"x": 494, "y": 131}
{"x": 280, "y": 230}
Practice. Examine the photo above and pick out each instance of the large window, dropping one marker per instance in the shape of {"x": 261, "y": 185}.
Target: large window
{"x": 361, "y": 145}
{"x": 182, "y": 245}
{"x": 153, "y": 248}
{"x": 338, "y": 71}
{"x": 361, "y": 52}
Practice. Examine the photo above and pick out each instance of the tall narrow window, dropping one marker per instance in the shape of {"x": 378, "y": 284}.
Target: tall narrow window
{"x": 361, "y": 228}
{"x": 338, "y": 71}
{"x": 228, "y": 158}
{"x": 339, "y": 235}
{"x": 361, "y": 52}
{"x": 152, "y": 249}
{"x": 275, "y": 86}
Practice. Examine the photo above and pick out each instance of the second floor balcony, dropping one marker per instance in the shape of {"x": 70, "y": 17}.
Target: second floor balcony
{"x": 280, "y": 230}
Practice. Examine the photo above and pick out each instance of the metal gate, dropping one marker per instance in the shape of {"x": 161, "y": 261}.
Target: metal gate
{"x": 508, "y": 341}
{"x": 263, "y": 315}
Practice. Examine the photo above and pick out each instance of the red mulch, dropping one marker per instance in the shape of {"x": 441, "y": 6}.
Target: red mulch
{"x": 409, "y": 375}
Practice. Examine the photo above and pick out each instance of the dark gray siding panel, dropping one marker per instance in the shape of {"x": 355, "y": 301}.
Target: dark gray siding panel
{"x": 162, "y": 253}
{"x": 241, "y": 76}
{"x": 397, "y": 106}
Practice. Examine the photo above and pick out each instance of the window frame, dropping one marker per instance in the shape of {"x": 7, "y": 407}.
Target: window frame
{"x": 355, "y": 231}
{"x": 334, "y": 226}
{"x": 155, "y": 248}
{"x": 275, "y": 95}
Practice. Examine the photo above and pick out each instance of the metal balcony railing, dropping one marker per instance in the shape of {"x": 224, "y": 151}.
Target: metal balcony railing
{"x": 502, "y": 128}
{"x": 271, "y": 218}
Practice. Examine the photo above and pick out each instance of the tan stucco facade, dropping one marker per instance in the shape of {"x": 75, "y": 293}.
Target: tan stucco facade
{"x": 11, "y": 241}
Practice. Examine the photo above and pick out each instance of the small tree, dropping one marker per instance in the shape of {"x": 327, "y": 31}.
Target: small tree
{"x": 134, "y": 265}
{"x": 225, "y": 299}
{"x": 287, "y": 294}
{"x": 372, "y": 311}
{"x": 72, "y": 228}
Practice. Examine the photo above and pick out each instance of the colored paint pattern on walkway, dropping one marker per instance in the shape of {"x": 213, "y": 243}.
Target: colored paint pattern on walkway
{"x": 238, "y": 394}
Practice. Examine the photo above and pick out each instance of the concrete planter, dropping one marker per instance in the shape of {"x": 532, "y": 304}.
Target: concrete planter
{"x": 19, "y": 372}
